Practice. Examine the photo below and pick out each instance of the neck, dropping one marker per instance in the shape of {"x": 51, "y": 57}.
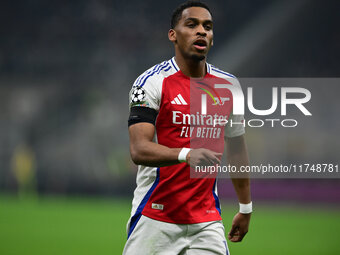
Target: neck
{"x": 190, "y": 67}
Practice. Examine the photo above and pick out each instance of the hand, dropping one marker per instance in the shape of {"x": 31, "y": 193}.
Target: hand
{"x": 239, "y": 227}
{"x": 203, "y": 157}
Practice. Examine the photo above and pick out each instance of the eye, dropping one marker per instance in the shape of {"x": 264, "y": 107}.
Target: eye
{"x": 191, "y": 25}
{"x": 208, "y": 27}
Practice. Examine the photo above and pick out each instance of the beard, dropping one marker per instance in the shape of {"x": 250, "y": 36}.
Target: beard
{"x": 188, "y": 53}
{"x": 197, "y": 57}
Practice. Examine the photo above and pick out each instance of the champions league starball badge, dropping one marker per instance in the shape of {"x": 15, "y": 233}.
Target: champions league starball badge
{"x": 138, "y": 95}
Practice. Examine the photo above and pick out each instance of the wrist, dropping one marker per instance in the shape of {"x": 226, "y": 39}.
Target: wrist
{"x": 188, "y": 158}
{"x": 246, "y": 208}
{"x": 183, "y": 155}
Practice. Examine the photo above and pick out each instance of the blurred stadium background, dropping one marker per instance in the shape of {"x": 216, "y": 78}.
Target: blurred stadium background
{"x": 66, "y": 67}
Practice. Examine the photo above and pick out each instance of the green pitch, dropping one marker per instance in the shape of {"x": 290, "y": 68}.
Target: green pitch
{"x": 53, "y": 225}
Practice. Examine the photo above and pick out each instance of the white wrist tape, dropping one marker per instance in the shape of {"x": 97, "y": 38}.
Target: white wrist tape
{"x": 182, "y": 156}
{"x": 246, "y": 208}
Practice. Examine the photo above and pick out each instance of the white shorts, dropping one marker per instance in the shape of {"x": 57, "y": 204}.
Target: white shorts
{"x": 156, "y": 237}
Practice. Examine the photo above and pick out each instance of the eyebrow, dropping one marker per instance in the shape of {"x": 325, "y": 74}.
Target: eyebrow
{"x": 197, "y": 20}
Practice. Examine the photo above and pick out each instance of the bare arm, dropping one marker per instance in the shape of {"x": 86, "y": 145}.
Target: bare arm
{"x": 148, "y": 153}
{"x": 237, "y": 155}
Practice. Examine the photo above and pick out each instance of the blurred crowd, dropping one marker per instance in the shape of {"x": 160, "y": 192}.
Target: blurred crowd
{"x": 66, "y": 68}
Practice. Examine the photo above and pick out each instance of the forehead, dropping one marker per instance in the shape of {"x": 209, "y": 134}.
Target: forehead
{"x": 199, "y": 13}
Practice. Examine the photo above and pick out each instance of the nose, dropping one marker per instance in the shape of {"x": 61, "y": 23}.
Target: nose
{"x": 201, "y": 30}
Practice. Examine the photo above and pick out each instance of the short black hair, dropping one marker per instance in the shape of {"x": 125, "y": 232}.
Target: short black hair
{"x": 177, "y": 14}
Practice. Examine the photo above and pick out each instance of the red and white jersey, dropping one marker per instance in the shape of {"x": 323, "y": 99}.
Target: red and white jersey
{"x": 168, "y": 193}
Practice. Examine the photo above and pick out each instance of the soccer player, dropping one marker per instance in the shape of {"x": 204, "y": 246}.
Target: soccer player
{"x": 171, "y": 212}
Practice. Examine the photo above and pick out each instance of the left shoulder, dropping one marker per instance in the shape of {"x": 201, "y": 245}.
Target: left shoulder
{"x": 219, "y": 73}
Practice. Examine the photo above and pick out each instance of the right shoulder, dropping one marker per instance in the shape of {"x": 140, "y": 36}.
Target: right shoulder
{"x": 156, "y": 74}
{"x": 147, "y": 88}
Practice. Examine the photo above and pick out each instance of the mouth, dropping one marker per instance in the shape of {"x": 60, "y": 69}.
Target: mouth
{"x": 200, "y": 44}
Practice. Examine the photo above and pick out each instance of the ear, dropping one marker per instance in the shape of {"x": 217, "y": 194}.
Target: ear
{"x": 212, "y": 43}
{"x": 172, "y": 35}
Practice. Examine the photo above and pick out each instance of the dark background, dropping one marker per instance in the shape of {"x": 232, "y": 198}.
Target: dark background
{"x": 66, "y": 68}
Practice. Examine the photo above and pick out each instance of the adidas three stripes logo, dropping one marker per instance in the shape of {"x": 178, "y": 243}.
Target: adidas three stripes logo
{"x": 179, "y": 100}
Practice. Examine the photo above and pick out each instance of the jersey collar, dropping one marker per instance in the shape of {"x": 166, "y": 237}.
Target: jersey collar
{"x": 175, "y": 66}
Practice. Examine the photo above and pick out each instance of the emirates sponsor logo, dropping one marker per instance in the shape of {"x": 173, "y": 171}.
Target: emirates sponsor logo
{"x": 198, "y": 124}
